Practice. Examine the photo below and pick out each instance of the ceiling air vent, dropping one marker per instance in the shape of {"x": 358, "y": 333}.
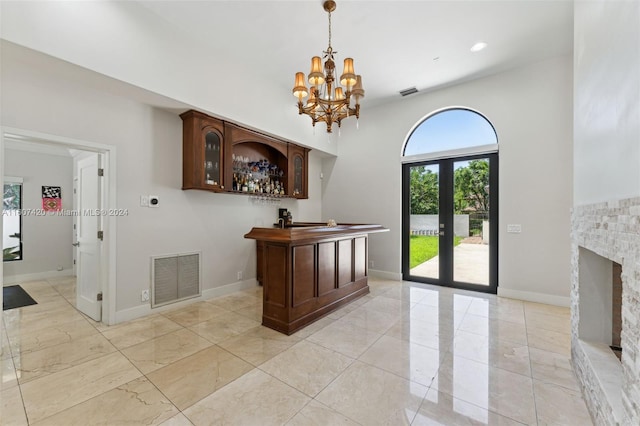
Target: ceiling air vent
{"x": 409, "y": 91}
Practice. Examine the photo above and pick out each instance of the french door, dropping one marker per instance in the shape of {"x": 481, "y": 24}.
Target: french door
{"x": 450, "y": 222}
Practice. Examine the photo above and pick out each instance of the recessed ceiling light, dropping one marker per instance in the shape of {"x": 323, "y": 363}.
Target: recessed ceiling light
{"x": 478, "y": 46}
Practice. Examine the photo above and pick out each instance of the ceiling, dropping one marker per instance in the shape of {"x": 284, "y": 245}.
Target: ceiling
{"x": 395, "y": 44}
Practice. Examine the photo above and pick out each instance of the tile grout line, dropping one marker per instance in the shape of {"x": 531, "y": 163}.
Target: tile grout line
{"x": 101, "y": 332}
{"x": 19, "y": 384}
{"x": 180, "y": 411}
{"x": 353, "y": 360}
{"x": 533, "y": 389}
{"x": 15, "y": 372}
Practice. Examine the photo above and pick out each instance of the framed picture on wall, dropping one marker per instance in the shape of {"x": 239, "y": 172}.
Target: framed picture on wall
{"x": 51, "y": 198}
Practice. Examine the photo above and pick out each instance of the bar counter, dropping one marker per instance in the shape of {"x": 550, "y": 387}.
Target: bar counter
{"x": 308, "y": 270}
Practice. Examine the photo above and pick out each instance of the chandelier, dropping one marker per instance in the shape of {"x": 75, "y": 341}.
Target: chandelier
{"x": 328, "y": 102}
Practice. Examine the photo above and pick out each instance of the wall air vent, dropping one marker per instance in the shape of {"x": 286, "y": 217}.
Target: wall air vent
{"x": 174, "y": 277}
{"x": 409, "y": 91}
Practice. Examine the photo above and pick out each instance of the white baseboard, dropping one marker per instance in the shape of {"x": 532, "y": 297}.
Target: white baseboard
{"x": 531, "y": 296}
{"x": 210, "y": 293}
{"x": 139, "y": 312}
{"x": 385, "y": 275}
{"x": 16, "y": 279}
{"x": 229, "y": 288}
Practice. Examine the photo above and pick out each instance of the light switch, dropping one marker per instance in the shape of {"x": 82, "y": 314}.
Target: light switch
{"x": 514, "y": 229}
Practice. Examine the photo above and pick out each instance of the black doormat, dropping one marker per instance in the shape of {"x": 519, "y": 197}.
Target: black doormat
{"x": 14, "y": 296}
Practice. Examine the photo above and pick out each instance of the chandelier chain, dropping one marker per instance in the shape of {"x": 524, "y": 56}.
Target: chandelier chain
{"x": 329, "y": 29}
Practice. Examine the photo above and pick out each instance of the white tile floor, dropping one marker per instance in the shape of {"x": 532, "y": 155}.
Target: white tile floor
{"x": 405, "y": 354}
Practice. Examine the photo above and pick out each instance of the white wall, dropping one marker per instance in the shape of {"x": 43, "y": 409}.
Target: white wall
{"x": 149, "y": 156}
{"x": 46, "y": 239}
{"x": 530, "y": 108}
{"x": 607, "y": 101}
{"x": 128, "y": 42}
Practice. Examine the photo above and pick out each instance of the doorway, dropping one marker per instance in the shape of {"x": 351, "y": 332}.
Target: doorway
{"x": 95, "y": 292}
{"x": 450, "y": 201}
{"x": 450, "y": 222}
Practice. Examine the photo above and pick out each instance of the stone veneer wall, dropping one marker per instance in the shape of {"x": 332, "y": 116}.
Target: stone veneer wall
{"x": 611, "y": 230}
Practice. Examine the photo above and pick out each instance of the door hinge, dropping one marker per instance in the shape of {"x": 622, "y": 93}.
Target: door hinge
{"x": 100, "y": 172}
{"x": 74, "y": 261}
{"x": 100, "y": 235}
{"x": 99, "y": 297}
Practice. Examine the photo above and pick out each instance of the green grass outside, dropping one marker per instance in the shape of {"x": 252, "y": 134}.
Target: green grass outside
{"x": 423, "y": 248}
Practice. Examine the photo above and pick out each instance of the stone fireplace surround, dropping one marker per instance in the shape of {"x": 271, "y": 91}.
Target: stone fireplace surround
{"x": 602, "y": 233}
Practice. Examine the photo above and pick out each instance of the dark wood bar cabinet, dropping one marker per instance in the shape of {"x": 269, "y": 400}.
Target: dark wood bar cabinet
{"x": 309, "y": 271}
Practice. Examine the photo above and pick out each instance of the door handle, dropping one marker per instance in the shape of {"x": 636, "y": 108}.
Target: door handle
{"x": 76, "y": 244}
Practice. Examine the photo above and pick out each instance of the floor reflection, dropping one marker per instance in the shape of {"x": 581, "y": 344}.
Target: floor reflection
{"x": 404, "y": 354}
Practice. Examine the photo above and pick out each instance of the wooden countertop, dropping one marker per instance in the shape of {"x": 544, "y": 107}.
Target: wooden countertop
{"x": 301, "y": 231}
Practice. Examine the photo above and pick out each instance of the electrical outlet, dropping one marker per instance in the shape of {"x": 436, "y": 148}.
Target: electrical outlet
{"x": 239, "y": 275}
{"x": 371, "y": 264}
{"x": 514, "y": 228}
{"x": 144, "y": 201}
{"x": 144, "y": 296}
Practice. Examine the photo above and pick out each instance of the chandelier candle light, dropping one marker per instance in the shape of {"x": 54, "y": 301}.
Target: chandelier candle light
{"x": 328, "y": 102}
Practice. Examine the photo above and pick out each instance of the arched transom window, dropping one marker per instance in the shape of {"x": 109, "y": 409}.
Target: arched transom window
{"x": 451, "y": 129}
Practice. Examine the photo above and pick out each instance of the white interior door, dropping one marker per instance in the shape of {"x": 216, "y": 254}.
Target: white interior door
{"x": 88, "y": 245}
{"x": 75, "y": 226}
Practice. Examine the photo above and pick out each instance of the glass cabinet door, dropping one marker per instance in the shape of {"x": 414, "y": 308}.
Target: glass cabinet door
{"x": 212, "y": 156}
{"x": 298, "y": 170}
